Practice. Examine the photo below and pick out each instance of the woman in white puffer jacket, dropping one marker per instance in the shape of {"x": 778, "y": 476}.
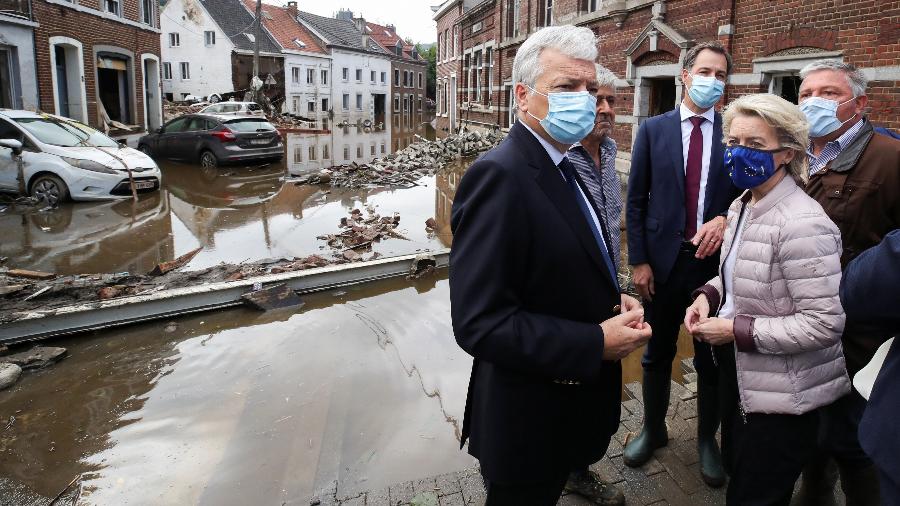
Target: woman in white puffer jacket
{"x": 778, "y": 317}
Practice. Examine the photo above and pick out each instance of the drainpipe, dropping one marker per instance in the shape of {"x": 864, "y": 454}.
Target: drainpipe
{"x": 34, "y": 46}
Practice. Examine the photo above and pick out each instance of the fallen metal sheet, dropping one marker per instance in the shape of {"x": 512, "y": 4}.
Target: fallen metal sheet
{"x": 37, "y": 325}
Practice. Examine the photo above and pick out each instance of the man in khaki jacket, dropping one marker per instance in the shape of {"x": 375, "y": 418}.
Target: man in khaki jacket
{"x": 855, "y": 176}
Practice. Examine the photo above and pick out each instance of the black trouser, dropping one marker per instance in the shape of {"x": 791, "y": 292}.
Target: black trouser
{"x": 890, "y": 489}
{"x": 665, "y": 313}
{"x": 764, "y": 454}
{"x": 838, "y": 433}
{"x": 525, "y": 494}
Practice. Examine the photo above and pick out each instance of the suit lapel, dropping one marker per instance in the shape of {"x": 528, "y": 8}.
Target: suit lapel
{"x": 716, "y": 175}
{"x": 672, "y": 144}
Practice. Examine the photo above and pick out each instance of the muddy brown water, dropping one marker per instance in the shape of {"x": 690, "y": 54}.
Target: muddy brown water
{"x": 235, "y": 213}
{"x": 365, "y": 387}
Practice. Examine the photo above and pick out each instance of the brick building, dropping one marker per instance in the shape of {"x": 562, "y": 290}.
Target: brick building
{"x": 98, "y": 61}
{"x": 644, "y": 42}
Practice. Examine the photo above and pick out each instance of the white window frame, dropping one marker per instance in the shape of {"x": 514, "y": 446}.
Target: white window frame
{"x": 311, "y": 76}
{"x": 359, "y": 101}
{"x": 295, "y": 75}
{"x": 310, "y": 106}
{"x": 325, "y": 105}
{"x": 167, "y": 71}
{"x": 313, "y": 156}
{"x": 154, "y": 6}
{"x": 209, "y": 38}
{"x": 345, "y": 74}
{"x": 345, "y": 101}
{"x": 359, "y": 75}
{"x": 325, "y": 154}
{"x": 174, "y": 39}
{"x": 185, "y": 68}
{"x": 323, "y": 75}
{"x": 118, "y": 4}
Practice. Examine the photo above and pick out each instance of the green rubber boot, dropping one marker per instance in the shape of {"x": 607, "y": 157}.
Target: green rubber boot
{"x": 708, "y": 416}
{"x": 655, "y": 388}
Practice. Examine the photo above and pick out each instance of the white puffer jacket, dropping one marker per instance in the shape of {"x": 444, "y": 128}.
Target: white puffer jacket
{"x": 789, "y": 317}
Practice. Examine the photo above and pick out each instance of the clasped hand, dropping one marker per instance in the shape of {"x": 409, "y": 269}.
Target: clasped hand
{"x": 626, "y": 332}
{"x": 710, "y": 330}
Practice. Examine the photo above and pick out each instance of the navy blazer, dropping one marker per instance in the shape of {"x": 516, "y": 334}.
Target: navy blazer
{"x": 528, "y": 290}
{"x": 655, "y": 214}
{"x": 870, "y": 291}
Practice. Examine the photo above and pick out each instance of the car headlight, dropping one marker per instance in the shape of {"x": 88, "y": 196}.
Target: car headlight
{"x": 90, "y": 165}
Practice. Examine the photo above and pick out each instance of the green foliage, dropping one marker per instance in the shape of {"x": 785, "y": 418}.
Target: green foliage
{"x": 430, "y": 55}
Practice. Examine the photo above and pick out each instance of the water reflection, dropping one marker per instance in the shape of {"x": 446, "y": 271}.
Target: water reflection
{"x": 235, "y": 213}
{"x": 241, "y": 407}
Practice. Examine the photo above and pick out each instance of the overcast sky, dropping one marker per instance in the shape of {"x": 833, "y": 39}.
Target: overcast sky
{"x": 411, "y": 17}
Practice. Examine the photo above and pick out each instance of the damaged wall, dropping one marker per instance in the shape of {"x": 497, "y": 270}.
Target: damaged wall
{"x": 242, "y": 71}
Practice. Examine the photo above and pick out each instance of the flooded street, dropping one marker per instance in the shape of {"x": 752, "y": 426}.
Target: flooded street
{"x": 235, "y": 213}
{"x": 365, "y": 387}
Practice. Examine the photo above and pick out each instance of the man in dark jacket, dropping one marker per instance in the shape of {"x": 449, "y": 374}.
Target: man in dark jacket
{"x": 870, "y": 290}
{"x": 854, "y": 175}
{"x": 533, "y": 287}
{"x": 678, "y": 196}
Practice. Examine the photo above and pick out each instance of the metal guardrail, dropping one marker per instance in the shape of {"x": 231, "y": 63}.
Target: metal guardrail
{"x": 43, "y": 324}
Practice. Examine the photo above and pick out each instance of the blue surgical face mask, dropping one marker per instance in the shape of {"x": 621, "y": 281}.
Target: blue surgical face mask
{"x": 821, "y": 113}
{"x": 570, "y": 115}
{"x": 750, "y": 167}
{"x": 705, "y": 91}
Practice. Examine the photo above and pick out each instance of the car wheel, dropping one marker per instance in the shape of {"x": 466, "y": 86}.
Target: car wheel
{"x": 49, "y": 188}
{"x": 208, "y": 160}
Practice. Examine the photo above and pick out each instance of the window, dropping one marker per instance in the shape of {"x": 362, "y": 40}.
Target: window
{"x": 174, "y": 40}
{"x": 345, "y": 73}
{"x": 382, "y": 148}
{"x": 295, "y": 105}
{"x": 440, "y": 91}
{"x": 359, "y": 150}
{"x": 299, "y": 43}
{"x": 295, "y": 75}
{"x": 545, "y": 12}
{"x": 209, "y": 37}
{"x": 420, "y": 102}
{"x": 113, "y": 6}
{"x": 455, "y": 40}
{"x": 467, "y": 72}
{"x": 405, "y": 78}
{"x": 346, "y": 151}
{"x": 298, "y": 154}
{"x": 359, "y": 101}
{"x": 185, "y": 71}
{"x": 324, "y": 105}
{"x": 312, "y": 153}
{"x": 420, "y": 79}
{"x": 439, "y": 47}
{"x": 396, "y": 77}
{"x": 589, "y": 5}
{"x": 512, "y": 18}
{"x": 396, "y": 103}
{"x": 311, "y": 76}
{"x": 311, "y": 106}
{"x": 325, "y": 127}
{"x": 359, "y": 75}
{"x": 383, "y": 77}
{"x": 489, "y": 74}
{"x": 447, "y": 51}
{"x": 250, "y": 37}
{"x": 167, "y": 71}
{"x": 148, "y": 12}
{"x": 373, "y": 77}
{"x": 325, "y": 154}
{"x": 346, "y": 101}
{"x": 372, "y": 149}
{"x": 324, "y": 78}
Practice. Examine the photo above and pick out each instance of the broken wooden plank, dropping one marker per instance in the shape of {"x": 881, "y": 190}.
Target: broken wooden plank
{"x": 275, "y": 297}
{"x": 8, "y": 289}
{"x": 24, "y": 273}
{"x": 178, "y": 263}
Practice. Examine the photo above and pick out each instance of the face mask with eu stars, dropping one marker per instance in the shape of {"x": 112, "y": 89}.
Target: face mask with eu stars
{"x": 570, "y": 115}
{"x": 750, "y": 167}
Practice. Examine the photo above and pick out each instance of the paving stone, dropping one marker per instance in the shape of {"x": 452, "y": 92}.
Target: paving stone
{"x": 621, "y": 433}
{"x": 690, "y": 377}
{"x": 652, "y": 467}
{"x": 615, "y": 448}
{"x": 447, "y": 484}
{"x": 451, "y": 500}
{"x": 670, "y": 491}
{"x": 573, "y": 500}
{"x": 401, "y": 492}
{"x": 634, "y": 391}
{"x": 632, "y": 406}
{"x": 359, "y": 500}
{"x": 472, "y": 487}
{"x": 425, "y": 485}
{"x": 378, "y": 498}
{"x": 607, "y": 471}
{"x": 686, "y": 451}
{"x": 686, "y": 479}
{"x": 424, "y": 499}
{"x": 644, "y": 490}
{"x": 688, "y": 409}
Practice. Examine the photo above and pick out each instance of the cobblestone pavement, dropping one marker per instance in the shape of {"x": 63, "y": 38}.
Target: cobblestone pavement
{"x": 670, "y": 477}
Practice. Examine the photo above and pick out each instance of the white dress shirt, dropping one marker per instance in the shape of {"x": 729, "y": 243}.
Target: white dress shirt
{"x": 557, "y": 156}
{"x": 706, "y": 128}
{"x": 727, "y": 309}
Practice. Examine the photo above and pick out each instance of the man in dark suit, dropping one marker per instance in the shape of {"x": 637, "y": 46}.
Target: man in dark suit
{"x": 534, "y": 293}
{"x": 678, "y": 196}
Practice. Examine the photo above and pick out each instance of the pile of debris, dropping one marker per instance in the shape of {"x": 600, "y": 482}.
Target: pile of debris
{"x": 360, "y": 232}
{"x": 172, "y": 110}
{"x": 408, "y": 165}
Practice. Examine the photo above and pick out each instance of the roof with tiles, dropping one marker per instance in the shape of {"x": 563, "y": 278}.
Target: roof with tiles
{"x": 387, "y": 37}
{"x": 283, "y": 26}
{"x": 339, "y": 32}
{"x": 237, "y": 22}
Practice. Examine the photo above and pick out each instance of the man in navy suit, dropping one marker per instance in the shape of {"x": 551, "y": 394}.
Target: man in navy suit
{"x": 533, "y": 288}
{"x": 678, "y": 197}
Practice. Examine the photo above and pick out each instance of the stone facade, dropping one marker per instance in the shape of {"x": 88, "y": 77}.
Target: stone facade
{"x": 644, "y": 42}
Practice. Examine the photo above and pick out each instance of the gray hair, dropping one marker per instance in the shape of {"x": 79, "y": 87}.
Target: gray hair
{"x": 789, "y": 123}
{"x": 605, "y": 77}
{"x": 575, "y": 42}
{"x": 855, "y": 78}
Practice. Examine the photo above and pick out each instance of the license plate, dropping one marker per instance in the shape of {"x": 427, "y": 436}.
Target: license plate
{"x": 140, "y": 185}
{"x": 260, "y": 141}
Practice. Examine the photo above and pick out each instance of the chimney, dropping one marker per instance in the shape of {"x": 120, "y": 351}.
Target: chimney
{"x": 292, "y": 8}
{"x": 345, "y": 14}
{"x": 391, "y": 27}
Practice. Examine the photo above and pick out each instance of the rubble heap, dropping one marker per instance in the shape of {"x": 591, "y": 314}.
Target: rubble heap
{"x": 408, "y": 165}
{"x": 360, "y": 232}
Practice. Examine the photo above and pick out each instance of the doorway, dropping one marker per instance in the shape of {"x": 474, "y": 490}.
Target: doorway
{"x": 67, "y": 83}
{"x": 380, "y": 101}
{"x": 152, "y": 102}
{"x": 7, "y": 93}
{"x": 662, "y": 96}
{"x": 113, "y": 89}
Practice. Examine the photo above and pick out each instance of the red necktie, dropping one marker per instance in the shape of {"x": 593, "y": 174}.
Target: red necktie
{"x": 692, "y": 179}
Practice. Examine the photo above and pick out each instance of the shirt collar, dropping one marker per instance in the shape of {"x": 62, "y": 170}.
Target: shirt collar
{"x": 709, "y": 114}
{"x": 841, "y": 142}
{"x": 555, "y": 155}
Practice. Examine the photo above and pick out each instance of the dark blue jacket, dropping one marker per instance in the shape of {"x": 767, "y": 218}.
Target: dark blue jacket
{"x": 655, "y": 212}
{"x": 528, "y": 291}
{"x": 870, "y": 291}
